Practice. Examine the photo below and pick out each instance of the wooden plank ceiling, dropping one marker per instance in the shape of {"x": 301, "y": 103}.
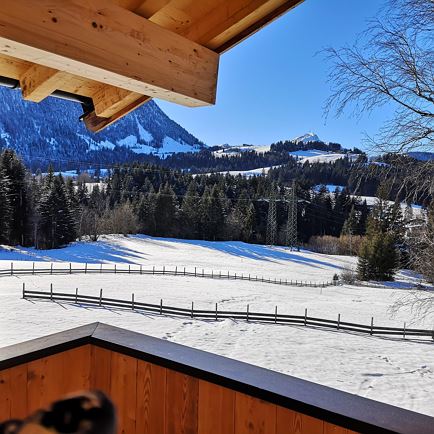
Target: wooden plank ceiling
{"x": 122, "y": 53}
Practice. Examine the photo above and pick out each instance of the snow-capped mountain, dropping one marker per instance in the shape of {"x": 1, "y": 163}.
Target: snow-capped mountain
{"x": 307, "y": 138}
{"x": 51, "y": 131}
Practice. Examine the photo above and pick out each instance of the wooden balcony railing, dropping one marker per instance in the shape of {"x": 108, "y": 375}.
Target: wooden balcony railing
{"x": 160, "y": 387}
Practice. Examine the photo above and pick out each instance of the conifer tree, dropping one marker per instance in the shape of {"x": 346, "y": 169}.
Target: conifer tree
{"x": 166, "y": 212}
{"x": 5, "y": 209}
{"x": 15, "y": 171}
{"x": 190, "y": 211}
{"x": 212, "y": 214}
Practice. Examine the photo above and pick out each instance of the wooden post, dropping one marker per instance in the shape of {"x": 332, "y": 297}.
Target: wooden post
{"x": 164, "y": 269}
{"x": 235, "y": 276}
{"x": 195, "y": 271}
{"x": 153, "y": 269}
{"x": 129, "y": 268}
{"x": 161, "y": 306}
{"x": 184, "y": 271}
{"x": 33, "y": 268}
{"x": 100, "y": 268}
{"x": 305, "y": 316}
{"x": 220, "y": 275}
{"x": 132, "y": 300}
{"x": 76, "y": 295}
{"x": 404, "y": 330}
{"x": 339, "y": 321}
{"x": 51, "y": 268}
{"x": 192, "y": 309}
{"x": 24, "y": 290}
{"x": 115, "y": 268}
{"x": 70, "y": 268}
{"x": 203, "y": 273}
{"x": 85, "y": 268}
{"x": 228, "y": 275}
{"x": 141, "y": 268}
{"x": 372, "y": 325}
{"x": 275, "y": 315}
{"x": 12, "y": 268}
{"x": 216, "y": 312}
{"x": 249, "y": 277}
{"x": 100, "y": 297}
{"x": 247, "y": 313}
{"x": 212, "y": 274}
{"x": 176, "y": 270}
{"x": 51, "y": 291}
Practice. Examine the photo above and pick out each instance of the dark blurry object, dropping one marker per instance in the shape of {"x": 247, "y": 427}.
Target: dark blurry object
{"x": 84, "y": 413}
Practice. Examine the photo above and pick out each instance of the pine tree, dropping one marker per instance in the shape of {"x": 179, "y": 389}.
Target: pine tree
{"x": 212, "y": 214}
{"x": 166, "y": 212}
{"x": 190, "y": 212}
{"x": 5, "y": 209}
{"x": 15, "y": 171}
{"x": 57, "y": 223}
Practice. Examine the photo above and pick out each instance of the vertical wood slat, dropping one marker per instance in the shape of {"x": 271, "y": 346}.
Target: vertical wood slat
{"x": 216, "y": 409}
{"x": 182, "y": 392}
{"x": 253, "y": 416}
{"x": 123, "y": 391}
{"x": 100, "y": 369}
{"x": 292, "y": 422}
{"x": 151, "y": 398}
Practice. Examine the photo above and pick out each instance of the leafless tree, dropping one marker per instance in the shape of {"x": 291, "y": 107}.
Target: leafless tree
{"x": 392, "y": 62}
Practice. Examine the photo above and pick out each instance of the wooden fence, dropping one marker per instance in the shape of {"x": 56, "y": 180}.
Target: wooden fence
{"x": 216, "y": 314}
{"x": 139, "y": 269}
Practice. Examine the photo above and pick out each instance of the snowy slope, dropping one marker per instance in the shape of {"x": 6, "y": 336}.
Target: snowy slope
{"x": 307, "y": 138}
{"x": 318, "y": 156}
{"x": 390, "y": 370}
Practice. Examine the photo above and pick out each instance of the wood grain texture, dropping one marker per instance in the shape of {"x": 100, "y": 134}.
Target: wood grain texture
{"x": 253, "y": 416}
{"x": 123, "y": 391}
{"x": 182, "y": 392}
{"x": 292, "y": 422}
{"x": 216, "y": 409}
{"x": 151, "y": 398}
{"x": 100, "y": 369}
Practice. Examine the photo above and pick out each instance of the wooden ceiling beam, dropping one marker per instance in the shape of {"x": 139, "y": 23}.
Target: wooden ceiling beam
{"x": 102, "y": 41}
{"x": 38, "y": 82}
{"x": 109, "y": 100}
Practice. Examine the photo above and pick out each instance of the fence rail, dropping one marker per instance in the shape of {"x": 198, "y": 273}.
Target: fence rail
{"x": 140, "y": 269}
{"x": 216, "y": 314}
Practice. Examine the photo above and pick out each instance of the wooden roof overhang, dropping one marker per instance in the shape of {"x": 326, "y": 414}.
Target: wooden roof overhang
{"x": 163, "y": 387}
{"x": 115, "y": 55}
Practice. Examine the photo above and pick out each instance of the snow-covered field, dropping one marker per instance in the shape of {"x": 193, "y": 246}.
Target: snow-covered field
{"x": 391, "y": 370}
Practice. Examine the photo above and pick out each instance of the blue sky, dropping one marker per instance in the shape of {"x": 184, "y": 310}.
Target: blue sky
{"x": 273, "y": 85}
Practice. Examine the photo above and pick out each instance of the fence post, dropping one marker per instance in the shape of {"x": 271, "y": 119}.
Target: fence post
{"x": 242, "y": 276}
{"x": 247, "y": 313}
{"x": 372, "y": 325}
{"x": 305, "y": 316}
{"x": 115, "y": 268}
{"x": 195, "y": 271}
{"x": 404, "y": 330}
{"x": 85, "y": 268}
{"x": 33, "y": 268}
{"x": 51, "y": 291}
{"x": 203, "y": 273}
{"x": 12, "y": 268}
{"x": 100, "y": 297}
{"x": 192, "y": 309}
{"x": 24, "y": 290}
{"x": 132, "y": 300}
{"x": 176, "y": 270}
{"x": 339, "y": 321}
{"x": 100, "y": 268}
{"x": 164, "y": 269}
{"x": 161, "y": 306}
{"x": 76, "y": 295}
{"x": 216, "y": 312}
{"x": 280, "y": 281}
{"x": 141, "y": 268}
{"x": 228, "y": 275}
{"x": 70, "y": 268}
{"x": 275, "y": 315}
{"x": 249, "y": 277}
{"x": 235, "y": 276}
{"x": 184, "y": 271}
{"x": 51, "y": 268}
{"x": 129, "y": 268}
{"x": 212, "y": 274}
